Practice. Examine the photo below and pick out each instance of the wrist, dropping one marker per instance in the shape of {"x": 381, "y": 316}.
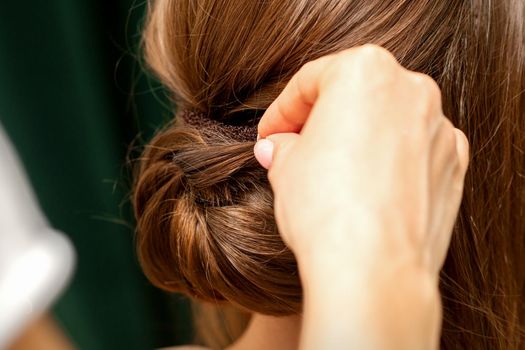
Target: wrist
{"x": 373, "y": 301}
{"x": 372, "y": 247}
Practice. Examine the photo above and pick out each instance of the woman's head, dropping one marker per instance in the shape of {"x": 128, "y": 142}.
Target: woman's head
{"x": 206, "y": 223}
{"x": 204, "y": 206}
{"x": 226, "y": 56}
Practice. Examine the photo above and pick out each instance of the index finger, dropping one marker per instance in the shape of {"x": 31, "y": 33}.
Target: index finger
{"x": 289, "y": 111}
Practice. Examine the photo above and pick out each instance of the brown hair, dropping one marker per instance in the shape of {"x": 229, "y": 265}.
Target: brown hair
{"x": 204, "y": 206}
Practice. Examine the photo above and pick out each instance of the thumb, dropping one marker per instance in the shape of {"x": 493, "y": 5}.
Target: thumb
{"x": 267, "y": 149}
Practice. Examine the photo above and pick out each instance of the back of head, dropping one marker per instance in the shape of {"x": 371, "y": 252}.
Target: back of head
{"x": 204, "y": 206}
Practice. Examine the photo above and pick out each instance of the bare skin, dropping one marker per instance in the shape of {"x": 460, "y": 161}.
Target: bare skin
{"x": 43, "y": 334}
{"x": 263, "y": 333}
{"x": 267, "y": 332}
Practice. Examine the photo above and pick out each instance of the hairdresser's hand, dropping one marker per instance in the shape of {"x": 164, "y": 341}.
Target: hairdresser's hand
{"x": 368, "y": 176}
{"x": 364, "y": 158}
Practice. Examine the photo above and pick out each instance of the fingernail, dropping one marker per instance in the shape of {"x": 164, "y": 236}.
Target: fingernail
{"x": 263, "y": 151}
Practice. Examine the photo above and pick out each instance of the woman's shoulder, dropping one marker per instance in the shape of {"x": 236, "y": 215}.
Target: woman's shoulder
{"x": 185, "y": 347}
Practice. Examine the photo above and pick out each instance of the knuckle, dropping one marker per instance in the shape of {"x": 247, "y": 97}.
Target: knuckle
{"x": 463, "y": 138}
{"x": 374, "y": 52}
{"x": 369, "y": 65}
{"x": 449, "y": 139}
{"x": 428, "y": 87}
{"x": 463, "y": 149}
{"x": 450, "y": 135}
{"x": 371, "y": 56}
{"x": 428, "y": 98}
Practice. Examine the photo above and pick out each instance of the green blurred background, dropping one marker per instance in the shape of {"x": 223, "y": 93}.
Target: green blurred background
{"x": 73, "y": 97}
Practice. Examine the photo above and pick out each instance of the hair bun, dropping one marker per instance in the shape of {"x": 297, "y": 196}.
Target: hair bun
{"x": 205, "y": 223}
{"x": 244, "y": 132}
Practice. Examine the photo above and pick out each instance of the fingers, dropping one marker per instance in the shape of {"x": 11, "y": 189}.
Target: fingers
{"x": 263, "y": 151}
{"x": 291, "y": 108}
{"x": 276, "y": 145}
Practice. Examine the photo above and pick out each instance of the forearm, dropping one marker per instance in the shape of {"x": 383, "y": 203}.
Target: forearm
{"x": 368, "y": 308}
